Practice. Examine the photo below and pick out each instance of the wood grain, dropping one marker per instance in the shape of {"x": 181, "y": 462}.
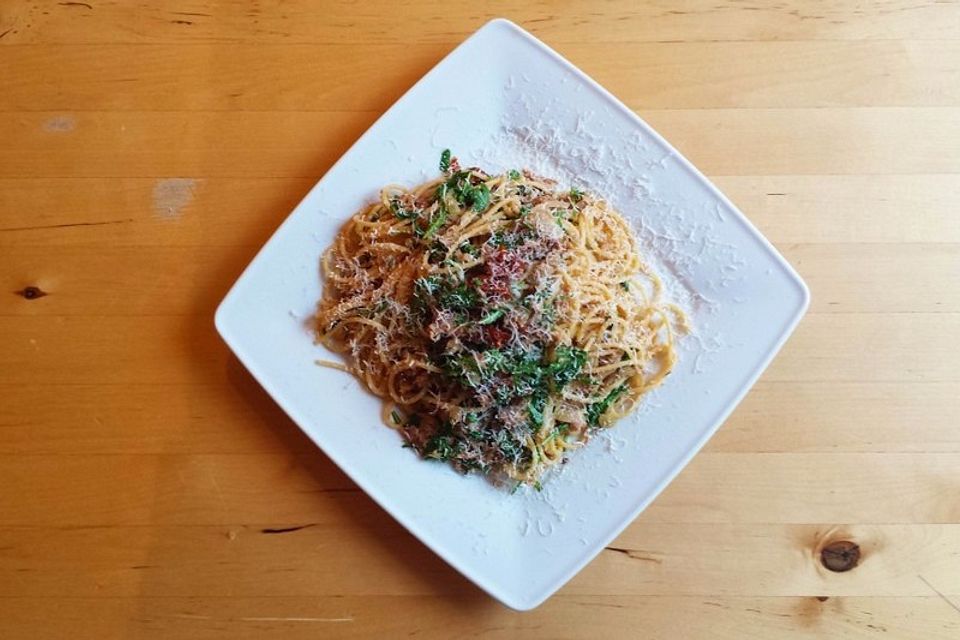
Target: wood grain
{"x": 776, "y": 417}
{"x": 601, "y": 617}
{"x": 43, "y": 349}
{"x": 300, "y": 144}
{"x": 220, "y": 212}
{"x": 93, "y": 490}
{"x": 848, "y": 278}
{"x": 342, "y": 21}
{"x": 150, "y": 489}
{"x": 651, "y": 560}
{"x": 690, "y": 75}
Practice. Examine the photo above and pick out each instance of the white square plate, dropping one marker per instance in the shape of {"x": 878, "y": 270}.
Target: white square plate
{"x": 504, "y": 100}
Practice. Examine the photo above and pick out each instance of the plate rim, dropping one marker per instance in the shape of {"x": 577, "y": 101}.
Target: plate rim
{"x": 516, "y": 601}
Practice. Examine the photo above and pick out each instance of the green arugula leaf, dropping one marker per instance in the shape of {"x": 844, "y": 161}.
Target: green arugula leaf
{"x": 466, "y": 193}
{"x": 480, "y": 197}
{"x": 436, "y": 222}
{"x": 442, "y": 189}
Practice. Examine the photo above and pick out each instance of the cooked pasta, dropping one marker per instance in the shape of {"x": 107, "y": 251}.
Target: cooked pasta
{"x": 501, "y": 320}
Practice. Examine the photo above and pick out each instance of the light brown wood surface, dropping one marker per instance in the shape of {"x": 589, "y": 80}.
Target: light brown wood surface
{"x": 148, "y": 149}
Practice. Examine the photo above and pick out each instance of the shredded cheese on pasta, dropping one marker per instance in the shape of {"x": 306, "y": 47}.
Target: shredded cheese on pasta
{"x": 501, "y": 320}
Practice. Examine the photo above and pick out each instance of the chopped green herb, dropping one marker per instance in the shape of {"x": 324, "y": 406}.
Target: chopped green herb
{"x": 427, "y": 285}
{"x": 492, "y": 317}
{"x": 440, "y": 448}
{"x": 445, "y": 160}
{"x": 443, "y": 293}
{"x": 559, "y": 431}
{"x": 436, "y": 221}
{"x": 576, "y": 195}
{"x": 509, "y": 448}
{"x": 596, "y": 410}
{"x": 514, "y": 175}
{"x": 461, "y": 298}
{"x": 443, "y": 445}
{"x": 509, "y": 239}
{"x": 441, "y": 192}
{"x": 567, "y": 365}
{"x": 549, "y": 315}
{"x": 465, "y": 192}
{"x": 400, "y": 211}
{"x": 480, "y": 197}
{"x": 395, "y": 416}
{"x": 463, "y": 368}
{"x": 535, "y": 409}
{"x": 538, "y": 486}
{"x": 625, "y": 285}
{"x": 495, "y": 359}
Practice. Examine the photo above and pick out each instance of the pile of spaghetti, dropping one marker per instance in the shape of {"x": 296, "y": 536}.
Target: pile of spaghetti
{"x": 501, "y": 320}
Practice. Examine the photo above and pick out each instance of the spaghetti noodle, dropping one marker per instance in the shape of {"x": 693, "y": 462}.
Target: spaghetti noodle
{"x": 502, "y": 320}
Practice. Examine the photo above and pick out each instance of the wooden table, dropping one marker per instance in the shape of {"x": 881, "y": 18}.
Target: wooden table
{"x": 149, "y": 488}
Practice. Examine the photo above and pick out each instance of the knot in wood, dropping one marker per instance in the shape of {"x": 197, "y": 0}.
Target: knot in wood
{"x": 32, "y": 292}
{"x": 840, "y": 556}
